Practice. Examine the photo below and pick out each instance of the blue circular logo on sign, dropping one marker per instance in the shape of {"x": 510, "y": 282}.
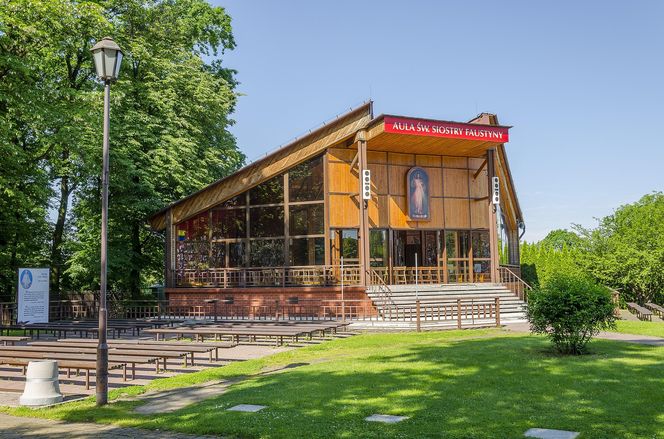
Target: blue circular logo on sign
{"x": 26, "y": 279}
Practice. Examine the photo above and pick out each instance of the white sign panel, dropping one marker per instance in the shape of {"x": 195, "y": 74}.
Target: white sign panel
{"x": 495, "y": 185}
{"x": 33, "y": 295}
{"x": 366, "y": 184}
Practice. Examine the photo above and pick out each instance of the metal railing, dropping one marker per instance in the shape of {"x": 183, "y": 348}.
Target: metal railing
{"x": 514, "y": 283}
{"x": 311, "y": 275}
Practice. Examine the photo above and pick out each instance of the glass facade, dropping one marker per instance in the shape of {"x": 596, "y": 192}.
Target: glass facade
{"x": 251, "y": 229}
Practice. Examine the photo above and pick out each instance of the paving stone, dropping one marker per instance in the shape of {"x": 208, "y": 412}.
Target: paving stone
{"x": 249, "y": 408}
{"x": 387, "y": 419}
{"x": 544, "y": 433}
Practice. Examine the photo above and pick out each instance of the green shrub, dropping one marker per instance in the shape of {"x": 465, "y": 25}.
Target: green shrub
{"x": 570, "y": 309}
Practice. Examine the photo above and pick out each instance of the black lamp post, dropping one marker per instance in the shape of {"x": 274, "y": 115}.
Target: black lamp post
{"x": 107, "y": 57}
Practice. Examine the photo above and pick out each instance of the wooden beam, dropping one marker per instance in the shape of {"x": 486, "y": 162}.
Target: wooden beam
{"x": 479, "y": 170}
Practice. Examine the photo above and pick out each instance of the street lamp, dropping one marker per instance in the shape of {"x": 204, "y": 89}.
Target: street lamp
{"x": 107, "y": 57}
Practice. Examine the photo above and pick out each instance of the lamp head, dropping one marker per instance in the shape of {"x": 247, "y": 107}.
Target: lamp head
{"x": 107, "y": 57}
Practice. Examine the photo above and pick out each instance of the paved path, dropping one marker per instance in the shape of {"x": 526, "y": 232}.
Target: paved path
{"x": 630, "y": 338}
{"x": 18, "y": 428}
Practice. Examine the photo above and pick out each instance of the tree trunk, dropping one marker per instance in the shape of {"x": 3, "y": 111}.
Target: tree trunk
{"x": 135, "y": 271}
{"x": 58, "y": 232}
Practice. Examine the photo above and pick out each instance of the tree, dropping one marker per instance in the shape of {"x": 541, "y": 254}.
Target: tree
{"x": 169, "y": 131}
{"x": 570, "y": 309}
{"x": 626, "y": 250}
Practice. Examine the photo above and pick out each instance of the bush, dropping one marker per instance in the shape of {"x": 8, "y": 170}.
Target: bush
{"x": 570, "y": 309}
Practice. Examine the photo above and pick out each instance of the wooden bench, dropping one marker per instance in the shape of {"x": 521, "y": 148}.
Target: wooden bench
{"x": 655, "y": 308}
{"x": 7, "y": 340}
{"x": 641, "y": 312}
{"x": 67, "y": 365}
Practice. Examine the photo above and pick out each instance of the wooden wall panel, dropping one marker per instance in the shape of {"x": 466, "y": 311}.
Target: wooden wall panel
{"x": 342, "y": 154}
{"x": 376, "y": 157}
{"x": 428, "y": 160}
{"x": 435, "y": 181}
{"x": 455, "y": 162}
{"x": 344, "y": 211}
{"x": 342, "y": 179}
{"x": 457, "y": 213}
{"x": 455, "y": 182}
{"x": 479, "y": 214}
{"x": 398, "y": 212}
{"x": 379, "y": 178}
{"x": 437, "y": 215}
{"x": 401, "y": 159}
{"x": 398, "y": 179}
{"x": 378, "y": 211}
{"x": 479, "y": 187}
{"x": 475, "y": 163}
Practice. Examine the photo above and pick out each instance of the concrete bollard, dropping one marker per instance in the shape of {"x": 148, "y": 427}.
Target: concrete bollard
{"x": 41, "y": 384}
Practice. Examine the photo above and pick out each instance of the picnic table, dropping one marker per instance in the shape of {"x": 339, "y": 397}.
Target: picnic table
{"x": 656, "y": 309}
{"x": 641, "y": 312}
{"x": 211, "y": 347}
{"x": 234, "y": 333}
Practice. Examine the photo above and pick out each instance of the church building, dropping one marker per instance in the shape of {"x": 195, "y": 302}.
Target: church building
{"x": 363, "y": 201}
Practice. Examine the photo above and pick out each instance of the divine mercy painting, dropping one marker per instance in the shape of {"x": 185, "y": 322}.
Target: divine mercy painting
{"x": 417, "y": 180}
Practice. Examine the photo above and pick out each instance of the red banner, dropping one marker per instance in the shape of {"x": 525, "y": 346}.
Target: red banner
{"x": 452, "y": 130}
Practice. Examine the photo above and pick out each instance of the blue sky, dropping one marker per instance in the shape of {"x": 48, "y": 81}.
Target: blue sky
{"x": 581, "y": 82}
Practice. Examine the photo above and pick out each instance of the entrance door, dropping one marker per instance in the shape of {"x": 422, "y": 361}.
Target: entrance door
{"x": 413, "y": 248}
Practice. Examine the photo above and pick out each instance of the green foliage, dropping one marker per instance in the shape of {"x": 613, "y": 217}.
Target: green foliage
{"x": 326, "y": 390}
{"x": 558, "y": 252}
{"x": 626, "y": 250}
{"x": 570, "y": 309}
{"x": 169, "y": 131}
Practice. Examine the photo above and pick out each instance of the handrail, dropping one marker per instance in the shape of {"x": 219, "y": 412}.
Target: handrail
{"x": 386, "y": 293}
{"x": 512, "y": 281}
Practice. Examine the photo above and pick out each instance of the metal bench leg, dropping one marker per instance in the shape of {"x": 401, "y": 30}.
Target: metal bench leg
{"x": 87, "y": 379}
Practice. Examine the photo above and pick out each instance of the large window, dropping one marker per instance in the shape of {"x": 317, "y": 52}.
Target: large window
{"x": 307, "y": 219}
{"x": 305, "y": 181}
{"x": 344, "y": 243}
{"x": 250, "y": 229}
{"x": 378, "y": 244}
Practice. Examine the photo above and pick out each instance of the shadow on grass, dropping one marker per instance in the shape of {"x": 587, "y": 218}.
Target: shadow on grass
{"x": 491, "y": 387}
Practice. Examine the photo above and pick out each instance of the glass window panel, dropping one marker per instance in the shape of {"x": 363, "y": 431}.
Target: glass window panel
{"x": 269, "y": 192}
{"x": 344, "y": 243}
{"x": 305, "y": 181}
{"x": 307, "y": 251}
{"x": 267, "y": 221}
{"x": 236, "y": 254}
{"x": 481, "y": 248}
{"x": 240, "y": 200}
{"x": 399, "y": 248}
{"x": 218, "y": 259}
{"x": 457, "y": 243}
{"x": 457, "y": 271}
{"x": 430, "y": 249}
{"x": 229, "y": 223}
{"x": 378, "y": 247}
{"x": 306, "y": 219}
{"x": 267, "y": 253}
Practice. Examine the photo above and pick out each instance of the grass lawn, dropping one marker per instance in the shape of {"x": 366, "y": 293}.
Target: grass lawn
{"x": 640, "y": 327}
{"x": 457, "y": 384}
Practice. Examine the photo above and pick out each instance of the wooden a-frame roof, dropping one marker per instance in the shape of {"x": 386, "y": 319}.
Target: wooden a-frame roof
{"x": 340, "y": 129}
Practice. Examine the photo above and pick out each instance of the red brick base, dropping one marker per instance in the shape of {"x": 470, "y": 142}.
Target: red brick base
{"x": 303, "y": 301}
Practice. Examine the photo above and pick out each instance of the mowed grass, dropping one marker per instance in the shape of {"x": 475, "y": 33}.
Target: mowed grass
{"x": 456, "y": 384}
{"x": 640, "y": 327}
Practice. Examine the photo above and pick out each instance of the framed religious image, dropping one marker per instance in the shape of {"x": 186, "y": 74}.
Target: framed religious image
{"x": 417, "y": 183}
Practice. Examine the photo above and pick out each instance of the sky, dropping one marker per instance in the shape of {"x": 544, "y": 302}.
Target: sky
{"x": 580, "y": 82}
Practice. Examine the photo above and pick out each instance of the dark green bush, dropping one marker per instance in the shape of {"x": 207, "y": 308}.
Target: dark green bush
{"x": 570, "y": 309}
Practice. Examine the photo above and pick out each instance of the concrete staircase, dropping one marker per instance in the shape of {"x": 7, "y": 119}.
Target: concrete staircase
{"x": 432, "y": 297}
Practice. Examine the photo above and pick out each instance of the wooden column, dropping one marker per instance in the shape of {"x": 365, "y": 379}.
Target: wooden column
{"x": 169, "y": 253}
{"x": 363, "y": 237}
{"x": 493, "y": 231}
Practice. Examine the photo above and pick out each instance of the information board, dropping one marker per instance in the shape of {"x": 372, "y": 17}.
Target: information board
{"x": 33, "y": 295}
